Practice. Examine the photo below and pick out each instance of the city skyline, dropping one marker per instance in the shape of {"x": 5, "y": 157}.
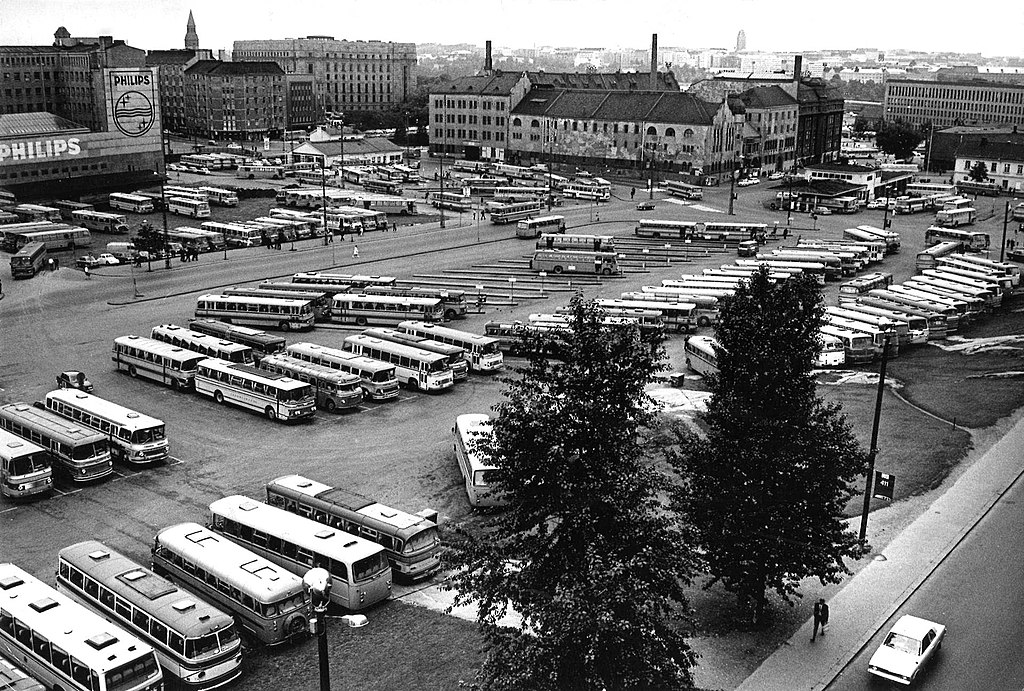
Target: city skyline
{"x": 770, "y": 27}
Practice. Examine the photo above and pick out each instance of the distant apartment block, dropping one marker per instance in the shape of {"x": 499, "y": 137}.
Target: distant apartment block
{"x": 945, "y": 104}
{"x": 234, "y": 100}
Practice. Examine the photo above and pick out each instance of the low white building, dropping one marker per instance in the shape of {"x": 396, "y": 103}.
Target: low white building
{"x": 1004, "y": 161}
{"x": 369, "y": 151}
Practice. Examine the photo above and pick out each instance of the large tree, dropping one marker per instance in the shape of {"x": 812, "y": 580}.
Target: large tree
{"x": 898, "y": 138}
{"x": 979, "y": 172}
{"x": 586, "y": 551}
{"x": 768, "y": 482}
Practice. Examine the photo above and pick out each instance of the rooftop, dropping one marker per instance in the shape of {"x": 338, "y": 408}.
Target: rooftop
{"x": 35, "y": 124}
{"x": 227, "y": 69}
{"x": 650, "y": 106}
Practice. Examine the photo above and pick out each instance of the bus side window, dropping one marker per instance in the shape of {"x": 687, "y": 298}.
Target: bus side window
{"x": 177, "y": 643}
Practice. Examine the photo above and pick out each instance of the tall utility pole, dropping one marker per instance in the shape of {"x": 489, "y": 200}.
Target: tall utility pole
{"x": 323, "y": 197}
{"x": 342, "y": 151}
{"x": 444, "y": 146}
{"x": 873, "y": 451}
{"x": 1006, "y": 221}
{"x": 732, "y": 188}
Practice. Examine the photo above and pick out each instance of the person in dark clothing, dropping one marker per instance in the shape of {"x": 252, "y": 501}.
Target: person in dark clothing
{"x": 632, "y": 193}
{"x": 184, "y": 255}
{"x": 820, "y": 618}
{"x": 280, "y": 239}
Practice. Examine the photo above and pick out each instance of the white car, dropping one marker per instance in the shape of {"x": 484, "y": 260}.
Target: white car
{"x": 747, "y": 182}
{"x": 777, "y": 175}
{"x": 907, "y": 648}
{"x": 177, "y": 167}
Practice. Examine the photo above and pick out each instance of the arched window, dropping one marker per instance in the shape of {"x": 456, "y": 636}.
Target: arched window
{"x": 688, "y": 133}
{"x": 670, "y": 132}
{"x": 535, "y": 123}
{"x": 516, "y": 122}
{"x": 651, "y": 131}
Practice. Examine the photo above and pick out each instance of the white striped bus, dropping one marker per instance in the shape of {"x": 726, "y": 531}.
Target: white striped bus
{"x": 1002, "y": 268}
{"x": 575, "y": 261}
{"x": 850, "y": 290}
{"x": 252, "y": 171}
{"x": 832, "y": 353}
{"x": 814, "y": 269}
{"x": 65, "y": 645}
{"x": 867, "y": 252}
{"x": 386, "y": 310}
{"x": 220, "y": 196}
{"x": 925, "y": 189}
{"x": 133, "y": 437}
{"x": 985, "y": 188}
{"x": 669, "y": 229}
{"x": 411, "y": 542}
{"x": 36, "y": 212}
{"x": 860, "y": 236}
{"x": 481, "y": 351}
{"x": 975, "y": 272}
{"x": 285, "y": 314}
{"x": 195, "y": 643}
{"x": 202, "y": 343}
{"x": 590, "y": 243}
{"x": 377, "y": 378}
{"x": 509, "y": 213}
{"x": 917, "y": 324}
{"x": 707, "y": 305}
{"x": 321, "y": 301}
{"x": 728, "y": 231}
{"x": 481, "y": 489}
{"x": 261, "y": 342}
{"x": 515, "y": 193}
{"x": 344, "y": 281}
{"x": 929, "y": 257}
{"x": 681, "y": 315}
{"x": 586, "y": 190}
{"x": 276, "y": 396}
{"x": 56, "y": 236}
{"x": 25, "y": 469}
{"x": 534, "y": 227}
{"x": 878, "y": 335}
{"x": 360, "y": 572}
{"x": 891, "y": 238}
{"x": 953, "y": 218}
{"x": 452, "y": 201}
{"x": 912, "y": 205}
{"x": 235, "y": 234}
{"x": 29, "y": 260}
{"x": 210, "y": 239}
{"x": 195, "y": 208}
{"x": 453, "y": 302}
{"x": 67, "y": 207}
{"x": 857, "y": 346}
{"x": 964, "y": 308}
{"x": 82, "y": 454}
{"x": 897, "y": 330}
{"x": 702, "y": 355}
{"x": 901, "y": 302}
{"x": 455, "y": 357}
{"x": 421, "y": 370}
{"x": 150, "y": 359}
{"x": 835, "y": 268}
{"x": 101, "y": 221}
{"x": 267, "y": 601}
{"x": 135, "y": 203}
{"x": 989, "y": 291}
{"x": 335, "y": 391}
{"x": 975, "y": 240}
{"x": 927, "y": 305}
{"x": 185, "y": 193}
{"x": 677, "y": 188}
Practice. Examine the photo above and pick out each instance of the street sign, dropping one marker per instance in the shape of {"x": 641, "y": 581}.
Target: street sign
{"x": 884, "y": 485}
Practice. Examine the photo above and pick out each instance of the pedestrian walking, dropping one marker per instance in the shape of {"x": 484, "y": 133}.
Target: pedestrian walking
{"x": 360, "y": 231}
{"x": 355, "y": 252}
{"x": 86, "y": 270}
{"x": 49, "y": 263}
{"x": 56, "y": 263}
{"x": 632, "y": 193}
{"x": 394, "y": 227}
{"x": 775, "y": 229}
{"x": 184, "y": 255}
{"x": 820, "y": 618}
{"x": 195, "y": 254}
{"x": 265, "y": 239}
{"x": 598, "y": 216}
{"x": 785, "y": 232}
{"x": 280, "y": 239}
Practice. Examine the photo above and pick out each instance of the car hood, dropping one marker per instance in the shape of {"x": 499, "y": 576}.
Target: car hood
{"x": 894, "y": 661}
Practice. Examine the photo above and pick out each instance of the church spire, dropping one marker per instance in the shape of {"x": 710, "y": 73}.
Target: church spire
{"x": 191, "y": 37}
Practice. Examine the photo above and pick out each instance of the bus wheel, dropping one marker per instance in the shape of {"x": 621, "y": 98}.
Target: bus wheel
{"x": 175, "y": 385}
{"x": 413, "y": 385}
{"x": 132, "y": 372}
{"x": 330, "y": 405}
{"x": 285, "y": 326}
{"x": 449, "y": 315}
{"x": 557, "y": 270}
{"x": 703, "y": 321}
{"x": 361, "y": 321}
{"x": 269, "y": 412}
{"x": 606, "y": 271}
{"x": 251, "y": 176}
{"x": 218, "y": 396}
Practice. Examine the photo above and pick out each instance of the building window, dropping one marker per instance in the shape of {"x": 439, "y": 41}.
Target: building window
{"x": 967, "y": 165}
{"x": 670, "y": 132}
{"x": 535, "y": 123}
{"x": 516, "y": 122}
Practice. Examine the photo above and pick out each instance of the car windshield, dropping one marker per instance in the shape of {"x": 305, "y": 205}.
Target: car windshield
{"x": 903, "y": 643}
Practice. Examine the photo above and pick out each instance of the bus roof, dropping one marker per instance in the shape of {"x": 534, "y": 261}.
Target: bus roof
{"x": 349, "y": 500}
{"x": 125, "y": 416}
{"x": 12, "y": 445}
{"x": 59, "y": 427}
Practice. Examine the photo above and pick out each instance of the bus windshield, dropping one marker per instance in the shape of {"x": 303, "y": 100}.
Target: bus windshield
{"x": 370, "y": 566}
{"x": 31, "y": 463}
{"x": 210, "y": 643}
{"x": 423, "y": 538}
{"x": 273, "y": 609}
{"x": 83, "y": 452}
{"x": 131, "y": 674}
{"x": 298, "y": 394}
{"x": 147, "y": 436}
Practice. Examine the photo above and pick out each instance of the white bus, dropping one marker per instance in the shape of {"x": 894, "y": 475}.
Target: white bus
{"x": 321, "y": 301}
{"x": 959, "y": 308}
{"x": 589, "y": 191}
{"x": 252, "y": 171}
{"x": 66, "y": 646}
{"x": 195, "y": 643}
{"x": 387, "y": 310}
{"x": 878, "y": 335}
{"x": 586, "y": 242}
{"x": 453, "y": 201}
{"x": 890, "y": 237}
{"x": 680, "y": 189}
{"x": 481, "y": 351}
{"x": 975, "y": 272}
{"x": 857, "y": 346}
{"x": 156, "y": 360}
{"x": 276, "y": 396}
{"x": 533, "y": 227}
{"x": 261, "y": 342}
{"x": 133, "y": 437}
{"x": 455, "y": 357}
{"x": 453, "y": 301}
{"x": 898, "y": 331}
{"x": 575, "y": 261}
{"x": 509, "y": 213}
{"x": 706, "y": 305}
{"x": 926, "y": 305}
{"x": 267, "y": 601}
{"x": 421, "y": 370}
{"x": 974, "y": 240}
{"x": 702, "y": 355}
{"x": 235, "y": 234}
{"x": 204, "y": 344}
{"x": 135, "y": 203}
{"x": 681, "y": 315}
{"x": 1001, "y": 268}
{"x": 469, "y": 430}
{"x": 377, "y": 378}
{"x": 669, "y": 229}
{"x": 25, "y": 469}
{"x": 194, "y": 208}
{"x": 850, "y": 290}
{"x": 832, "y": 353}
{"x": 925, "y": 189}
{"x": 916, "y": 325}
{"x": 220, "y": 196}
{"x": 285, "y": 314}
{"x": 101, "y": 221}
{"x": 900, "y": 302}
{"x": 954, "y": 218}
{"x": 335, "y": 391}
{"x": 82, "y": 454}
{"x": 343, "y": 281}
{"x": 360, "y": 572}
{"x": 185, "y": 193}
{"x": 929, "y": 257}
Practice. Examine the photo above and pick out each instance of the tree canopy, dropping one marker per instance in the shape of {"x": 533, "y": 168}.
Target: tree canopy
{"x": 586, "y": 551}
{"x": 898, "y": 138}
{"x": 979, "y": 172}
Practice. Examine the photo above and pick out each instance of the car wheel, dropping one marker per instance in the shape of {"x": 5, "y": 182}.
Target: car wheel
{"x": 413, "y": 385}
{"x": 219, "y": 397}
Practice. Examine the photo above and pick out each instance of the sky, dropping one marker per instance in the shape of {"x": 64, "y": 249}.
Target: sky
{"x": 997, "y": 29}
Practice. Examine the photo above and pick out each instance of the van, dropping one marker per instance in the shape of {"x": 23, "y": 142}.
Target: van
{"x": 747, "y": 248}
{"x": 124, "y": 251}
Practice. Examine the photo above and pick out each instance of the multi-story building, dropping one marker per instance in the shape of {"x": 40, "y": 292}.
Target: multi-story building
{"x": 949, "y": 103}
{"x": 234, "y": 100}
{"x": 943, "y": 145}
{"x": 1003, "y": 159}
{"x": 324, "y": 74}
{"x": 170, "y": 68}
{"x": 770, "y": 119}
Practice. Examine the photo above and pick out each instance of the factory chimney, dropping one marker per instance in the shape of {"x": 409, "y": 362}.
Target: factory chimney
{"x": 488, "y": 65}
{"x": 654, "y": 62}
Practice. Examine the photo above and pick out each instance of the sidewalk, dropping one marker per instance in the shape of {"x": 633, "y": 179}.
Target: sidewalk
{"x": 873, "y": 595}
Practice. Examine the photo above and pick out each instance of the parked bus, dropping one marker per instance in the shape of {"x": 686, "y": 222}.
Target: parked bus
{"x": 267, "y": 601}
{"x": 912, "y": 205}
{"x": 727, "y": 231}
{"x": 869, "y": 239}
{"x": 990, "y": 292}
{"x": 452, "y": 201}
{"x": 589, "y": 243}
{"x": 809, "y": 268}
{"x": 469, "y": 431}
{"x": 832, "y": 353}
{"x": 481, "y": 351}
{"x": 925, "y": 189}
{"x": 575, "y": 261}
{"x": 702, "y": 355}
{"x": 68, "y": 207}
{"x": 156, "y": 360}
{"x": 276, "y": 396}
{"x": 974, "y": 240}
{"x": 953, "y": 218}
{"x": 411, "y": 542}
{"x": 188, "y": 207}
{"x": 832, "y": 263}
{"x": 378, "y": 379}
{"x": 66, "y": 646}
{"x": 81, "y": 454}
{"x": 25, "y": 469}
{"x": 13, "y": 679}
{"x": 706, "y": 306}
{"x": 978, "y": 273}
{"x": 1002, "y": 268}
{"x": 901, "y": 302}
{"x": 966, "y": 308}
{"x": 453, "y": 302}
{"x": 534, "y": 227}
{"x": 986, "y": 188}
{"x": 681, "y": 315}
{"x": 134, "y": 438}
{"x": 252, "y": 171}
{"x": 103, "y": 222}
{"x": 131, "y": 202}
{"x": 261, "y": 342}
{"x": 29, "y": 260}
{"x": 235, "y": 234}
{"x": 345, "y": 281}
{"x": 857, "y": 346}
{"x": 335, "y": 391}
{"x": 879, "y": 336}
{"x": 929, "y": 257}
{"x": 516, "y": 193}
{"x": 850, "y": 290}
{"x": 35, "y": 212}
{"x": 867, "y": 251}
{"x": 669, "y": 229}
{"x": 203, "y": 343}
{"x": 509, "y": 213}
{"x": 384, "y": 310}
{"x": 840, "y": 205}
{"x": 220, "y": 196}
{"x": 925, "y": 304}
{"x": 285, "y": 314}
{"x": 896, "y": 330}
{"x": 586, "y": 190}
{"x": 917, "y": 331}
{"x": 382, "y": 186}
{"x": 321, "y": 301}
{"x": 420, "y": 369}
{"x": 891, "y": 238}
{"x": 680, "y": 189}
{"x": 455, "y": 357}
{"x": 360, "y": 573}
{"x": 195, "y": 643}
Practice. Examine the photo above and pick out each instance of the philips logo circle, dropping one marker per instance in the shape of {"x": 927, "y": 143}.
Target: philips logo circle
{"x": 134, "y": 114}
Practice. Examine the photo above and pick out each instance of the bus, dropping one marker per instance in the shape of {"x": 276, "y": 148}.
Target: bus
{"x": 986, "y": 188}
{"x": 858, "y": 347}
{"x": 378, "y": 379}
{"x": 195, "y": 642}
{"x": 279, "y": 398}
{"x": 534, "y": 227}
{"x": 891, "y": 238}
{"x": 285, "y": 314}
{"x": 1000, "y": 268}
{"x": 35, "y": 212}
{"x": 469, "y": 431}
{"x": 82, "y": 454}
{"x": 13, "y": 679}
{"x": 925, "y": 189}
{"x": 989, "y": 291}
{"x": 335, "y": 391}
{"x": 683, "y": 190}
{"x": 382, "y": 186}
{"x": 359, "y": 568}
{"x": 911, "y": 205}
{"x": 702, "y": 355}
{"x": 809, "y": 268}
{"x": 870, "y": 239}
{"x": 131, "y": 202}
{"x": 517, "y": 193}
{"x": 481, "y": 351}
{"x": 852, "y": 258}
{"x": 508, "y": 213}
{"x": 235, "y": 234}
{"x": 901, "y": 302}
{"x": 595, "y": 243}
{"x": 185, "y": 192}
{"x": 134, "y": 438}
{"x": 65, "y": 645}
{"x": 344, "y": 281}
{"x": 879, "y": 336}
{"x": 727, "y": 231}
{"x": 681, "y": 315}
{"x": 839, "y": 205}
{"x": 832, "y": 263}
{"x": 706, "y": 306}
{"x": 421, "y": 370}
{"x": 924, "y": 303}
{"x": 103, "y": 222}
{"x": 974, "y": 240}
{"x": 68, "y": 207}
{"x": 897, "y": 330}
{"x": 832, "y": 353}
{"x": 575, "y": 261}
{"x": 204, "y": 344}
{"x": 267, "y": 601}
{"x": 586, "y": 190}
{"x": 453, "y": 302}
{"x": 220, "y": 196}
{"x": 929, "y": 257}
{"x": 261, "y": 342}
{"x": 29, "y": 260}
{"x": 453, "y": 201}
{"x": 669, "y": 229}
{"x": 850, "y": 290}
{"x": 25, "y": 469}
{"x": 867, "y": 251}
{"x": 196, "y": 208}
{"x": 156, "y": 360}
{"x": 411, "y": 542}
{"x": 321, "y": 301}
{"x": 455, "y": 357}
{"x": 965, "y": 308}
{"x": 251, "y": 171}
{"x": 948, "y": 203}
{"x": 917, "y": 331}
{"x": 953, "y": 218}
{"x": 387, "y": 310}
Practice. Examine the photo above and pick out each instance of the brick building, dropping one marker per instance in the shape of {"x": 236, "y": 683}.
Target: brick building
{"x": 770, "y": 119}
{"x": 234, "y": 100}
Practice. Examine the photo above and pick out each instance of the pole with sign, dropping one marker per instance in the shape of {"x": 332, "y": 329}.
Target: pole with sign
{"x": 512, "y": 291}
{"x": 884, "y": 485}
{"x": 873, "y": 450}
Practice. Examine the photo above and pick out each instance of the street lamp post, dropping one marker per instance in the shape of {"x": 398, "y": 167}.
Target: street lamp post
{"x": 512, "y": 291}
{"x": 323, "y": 196}
{"x": 317, "y": 582}
{"x": 873, "y": 451}
{"x": 342, "y": 118}
{"x": 732, "y": 189}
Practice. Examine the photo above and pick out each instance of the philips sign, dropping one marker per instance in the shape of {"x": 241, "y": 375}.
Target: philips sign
{"x": 133, "y": 98}
{"x": 40, "y": 148}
